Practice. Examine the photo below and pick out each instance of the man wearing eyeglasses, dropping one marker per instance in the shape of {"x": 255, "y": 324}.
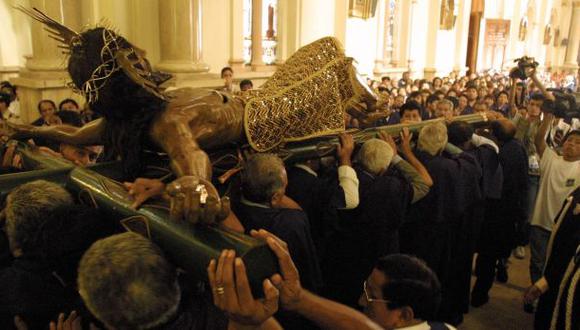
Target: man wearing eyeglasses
{"x": 402, "y": 292}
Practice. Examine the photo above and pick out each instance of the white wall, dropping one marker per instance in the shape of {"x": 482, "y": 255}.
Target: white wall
{"x": 361, "y": 37}
{"x": 446, "y": 43}
{"x": 316, "y": 20}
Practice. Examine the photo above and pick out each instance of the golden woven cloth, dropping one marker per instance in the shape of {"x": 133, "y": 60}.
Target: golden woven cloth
{"x": 305, "y": 98}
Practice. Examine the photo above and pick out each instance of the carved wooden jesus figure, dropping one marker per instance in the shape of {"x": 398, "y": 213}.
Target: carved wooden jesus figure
{"x": 315, "y": 87}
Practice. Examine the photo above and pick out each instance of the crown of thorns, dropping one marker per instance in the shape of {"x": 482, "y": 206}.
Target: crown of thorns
{"x": 113, "y": 57}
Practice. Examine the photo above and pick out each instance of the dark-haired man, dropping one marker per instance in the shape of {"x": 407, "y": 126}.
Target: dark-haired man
{"x": 471, "y": 94}
{"x": 227, "y": 74}
{"x": 402, "y": 292}
{"x": 526, "y": 129}
{"x": 68, "y": 105}
{"x": 410, "y": 112}
{"x": 558, "y": 277}
{"x": 498, "y": 230}
{"x": 430, "y": 108}
{"x": 5, "y": 113}
{"x": 47, "y": 236}
{"x": 14, "y": 109}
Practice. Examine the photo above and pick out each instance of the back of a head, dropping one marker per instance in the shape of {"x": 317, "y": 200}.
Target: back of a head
{"x": 410, "y": 282}
{"x": 459, "y": 132}
{"x": 77, "y": 227}
{"x": 26, "y": 209}
{"x": 432, "y": 98}
{"x": 71, "y": 102}
{"x": 71, "y": 118}
{"x": 5, "y": 98}
{"x": 432, "y": 138}
{"x": 538, "y": 97}
{"x": 414, "y": 95}
{"x": 454, "y": 100}
{"x": 127, "y": 283}
{"x": 503, "y": 130}
{"x": 262, "y": 177}
{"x": 375, "y": 156}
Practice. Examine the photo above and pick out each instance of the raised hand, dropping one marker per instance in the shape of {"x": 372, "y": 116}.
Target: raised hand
{"x": 345, "y": 149}
{"x": 232, "y": 293}
{"x": 389, "y": 139}
{"x": 72, "y": 322}
{"x": 532, "y": 294}
{"x": 289, "y": 281}
{"x": 406, "y": 137}
{"x": 196, "y": 200}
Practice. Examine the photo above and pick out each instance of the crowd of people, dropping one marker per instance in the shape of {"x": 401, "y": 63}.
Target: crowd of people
{"x": 380, "y": 236}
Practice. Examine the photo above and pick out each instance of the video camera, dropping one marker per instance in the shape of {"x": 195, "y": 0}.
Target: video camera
{"x": 523, "y": 63}
{"x": 565, "y": 105}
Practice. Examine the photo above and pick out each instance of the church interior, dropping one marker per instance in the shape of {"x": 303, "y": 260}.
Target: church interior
{"x": 350, "y": 164}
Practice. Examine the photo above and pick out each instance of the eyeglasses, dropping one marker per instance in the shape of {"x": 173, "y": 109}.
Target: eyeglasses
{"x": 369, "y": 299}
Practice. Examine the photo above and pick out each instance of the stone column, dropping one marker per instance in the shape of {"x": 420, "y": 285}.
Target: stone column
{"x": 543, "y": 20}
{"x": 237, "y": 35}
{"x": 461, "y": 35}
{"x": 410, "y": 55}
{"x": 565, "y": 18}
{"x": 180, "y": 37}
{"x": 380, "y": 44}
{"x": 257, "y": 51}
{"x": 397, "y": 47}
{"x": 44, "y": 75}
{"x": 340, "y": 19}
{"x": 430, "y": 70}
{"x": 46, "y": 56}
{"x": 571, "y": 59}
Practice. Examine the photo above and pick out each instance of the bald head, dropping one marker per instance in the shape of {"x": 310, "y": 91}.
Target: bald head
{"x": 503, "y": 129}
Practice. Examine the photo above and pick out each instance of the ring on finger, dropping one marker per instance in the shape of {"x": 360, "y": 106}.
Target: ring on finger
{"x": 220, "y": 290}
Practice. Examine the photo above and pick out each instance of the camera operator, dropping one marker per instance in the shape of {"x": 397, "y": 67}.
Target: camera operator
{"x": 560, "y": 175}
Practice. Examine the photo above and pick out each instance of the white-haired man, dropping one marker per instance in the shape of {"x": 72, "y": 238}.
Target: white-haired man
{"x": 388, "y": 185}
{"x": 428, "y": 227}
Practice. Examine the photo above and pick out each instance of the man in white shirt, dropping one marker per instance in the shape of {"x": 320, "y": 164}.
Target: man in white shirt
{"x": 322, "y": 196}
{"x": 559, "y": 176}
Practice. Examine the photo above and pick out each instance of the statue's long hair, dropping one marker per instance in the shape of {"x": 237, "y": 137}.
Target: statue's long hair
{"x": 127, "y": 107}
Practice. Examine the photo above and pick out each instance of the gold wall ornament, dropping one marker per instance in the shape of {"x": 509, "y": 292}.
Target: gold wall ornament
{"x": 364, "y": 9}
{"x": 547, "y": 34}
{"x": 523, "y": 29}
{"x": 447, "y": 17}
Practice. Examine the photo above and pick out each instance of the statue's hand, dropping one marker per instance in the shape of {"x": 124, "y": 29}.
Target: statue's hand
{"x": 9, "y": 131}
{"x": 143, "y": 189}
{"x": 196, "y": 200}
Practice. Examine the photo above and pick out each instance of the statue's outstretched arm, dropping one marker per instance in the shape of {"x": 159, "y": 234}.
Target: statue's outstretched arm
{"x": 89, "y": 134}
{"x": 193, "y": 197}
{"x": 187, "y": 158}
